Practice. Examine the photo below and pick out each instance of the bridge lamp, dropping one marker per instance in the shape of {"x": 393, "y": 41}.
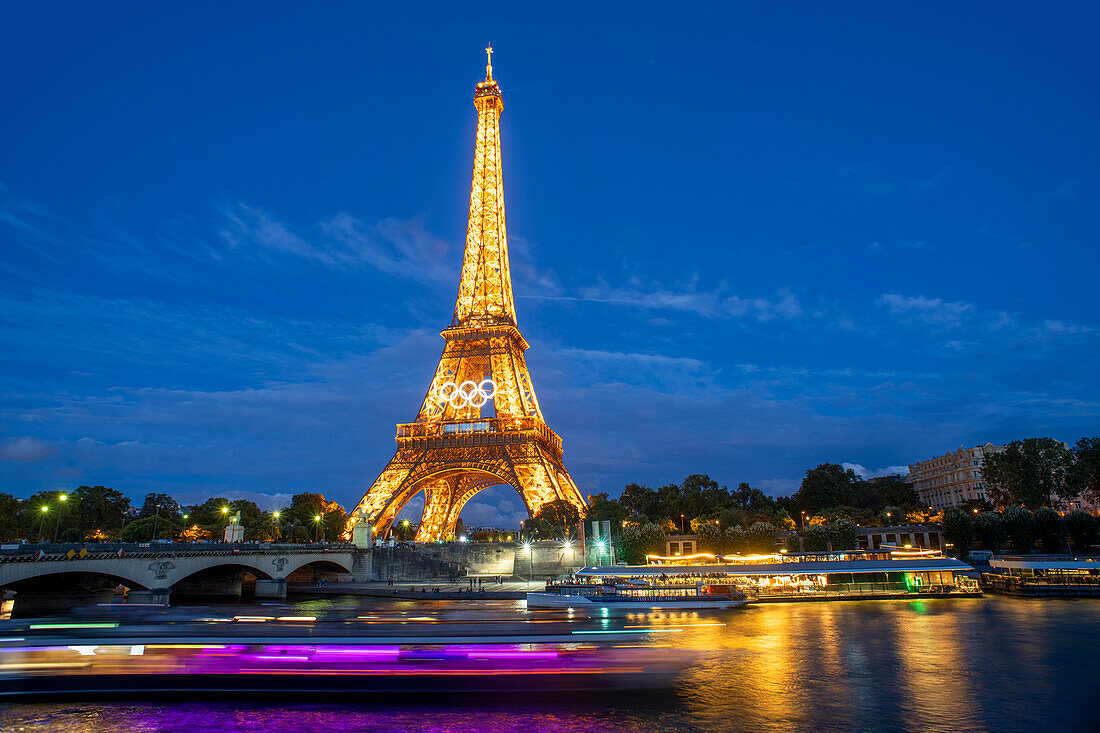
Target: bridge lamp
{"x": 567, "y": 545}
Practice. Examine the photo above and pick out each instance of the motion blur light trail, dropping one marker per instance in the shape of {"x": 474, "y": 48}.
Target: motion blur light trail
{"x": 398, "y": 654}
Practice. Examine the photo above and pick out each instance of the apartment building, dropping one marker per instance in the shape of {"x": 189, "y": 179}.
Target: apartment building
{"x": 952, "y": 479}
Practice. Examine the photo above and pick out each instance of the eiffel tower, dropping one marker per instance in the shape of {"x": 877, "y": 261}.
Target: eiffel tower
{"x": 455, "y": 449}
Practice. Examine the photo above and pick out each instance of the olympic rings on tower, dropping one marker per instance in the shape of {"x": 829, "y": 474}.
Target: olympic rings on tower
{"x": 467, "y": 394}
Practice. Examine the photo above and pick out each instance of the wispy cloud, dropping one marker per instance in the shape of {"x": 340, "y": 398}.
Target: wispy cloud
{"x": 719, "y": 302}
{"x": 397, "y": 247}
{"x": 928, "y": 311}
{"x": 26, "y": 449}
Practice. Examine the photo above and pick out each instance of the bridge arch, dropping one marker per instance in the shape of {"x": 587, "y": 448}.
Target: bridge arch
{"x": 214, "y": 569}
{"x": 26, "y": 576}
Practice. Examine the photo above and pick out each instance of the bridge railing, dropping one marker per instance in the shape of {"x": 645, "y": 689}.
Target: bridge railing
{"x": 21, "y": 551}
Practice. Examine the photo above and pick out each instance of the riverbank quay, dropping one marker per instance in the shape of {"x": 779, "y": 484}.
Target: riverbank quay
{"x": 1043, "y": 576}
{"x": 506, "y": 591}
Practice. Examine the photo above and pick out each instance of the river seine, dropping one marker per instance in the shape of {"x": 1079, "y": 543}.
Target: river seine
{"x": 992, "y": 664}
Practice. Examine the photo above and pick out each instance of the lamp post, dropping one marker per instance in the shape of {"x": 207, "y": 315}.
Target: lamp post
{"x": 682, "y": 524}
{"x": 803, "y": 520}
{"x": 278, "y": 529}
{"x": 61, "y": 502}
{"x": 320, "y": 527}
{"x": 45, "y": 511}
{"x": 156, "y": 521}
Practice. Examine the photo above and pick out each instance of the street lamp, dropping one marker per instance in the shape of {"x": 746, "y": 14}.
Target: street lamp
{"x": 803, "y": 519}
{"x": 62, "y": 498}
{"x": 320, "y": 527}
{"x": 682, "y": 524}
{"x": 45, "y": 510}
{"x": 156, "y": 521}
{"x": 278, "y": 529}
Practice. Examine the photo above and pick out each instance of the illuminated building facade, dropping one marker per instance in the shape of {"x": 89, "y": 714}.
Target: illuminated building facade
{"x": 952, "y": 479}
{"x": 480, "y": 423}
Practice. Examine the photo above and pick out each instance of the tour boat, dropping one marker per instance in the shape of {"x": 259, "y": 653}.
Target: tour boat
{"x": 638, "y": 596}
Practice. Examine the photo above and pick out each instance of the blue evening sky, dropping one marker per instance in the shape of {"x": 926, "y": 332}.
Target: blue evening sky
{"x": 746, "y": 238}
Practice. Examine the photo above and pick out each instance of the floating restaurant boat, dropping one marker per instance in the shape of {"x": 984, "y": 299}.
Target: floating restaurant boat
{"x": 827, "y": 576}
{"x": 1043, "y": 575}
{"x": 617, "y": 594}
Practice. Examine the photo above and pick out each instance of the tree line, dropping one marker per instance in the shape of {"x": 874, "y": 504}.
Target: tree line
{"x": 1021, "y": 530}
{"x": 101, "y": 514}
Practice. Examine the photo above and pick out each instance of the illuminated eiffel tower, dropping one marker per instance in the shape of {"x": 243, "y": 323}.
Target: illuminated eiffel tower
{"x": 456, "y": 448}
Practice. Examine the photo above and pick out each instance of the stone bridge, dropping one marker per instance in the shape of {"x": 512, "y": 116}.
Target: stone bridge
{"x": 152, "y": 570}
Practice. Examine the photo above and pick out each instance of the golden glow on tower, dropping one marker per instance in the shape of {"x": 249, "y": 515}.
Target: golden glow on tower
{"x": 454, "y": 449}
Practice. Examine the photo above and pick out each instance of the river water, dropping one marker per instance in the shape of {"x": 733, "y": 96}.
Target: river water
{"x": 992, "y": 664}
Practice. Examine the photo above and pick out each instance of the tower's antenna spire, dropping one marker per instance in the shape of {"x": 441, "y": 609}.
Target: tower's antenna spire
{"x": 489, "y": 62}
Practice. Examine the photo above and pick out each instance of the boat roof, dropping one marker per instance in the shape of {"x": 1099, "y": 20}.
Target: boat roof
{"x": 1045, "y": 563}
{"x": 820, "y": 567}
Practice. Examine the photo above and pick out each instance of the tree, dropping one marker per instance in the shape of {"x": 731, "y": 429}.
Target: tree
{"x": 634, "y": 543}
{"x": 141, "y": 530}
{"x": 815, "y": 538}
{"x": 762, "y": 537}
{"x": 752, "y": 501}
{"x": 989, "y": 530}
{"x": 263, "y": 528}
{"x": 555, "y": 520}
{"x": 1051, "y": 530}
{"x": 1086, "y": 468}
{"x": 638, "y": 501}
{"x": 711, "y": 538}
{"x": 898, "y": 492}
{"x": 826, "y": 486}
{"x": 160, "y": 504}
{"x": 737, "y": 539}
{"x": 892, "y": 515}
{"x": 1032, "y": 472}
{"x": 783, "y": 520}
{"x": 1020, "y": 528}
{"x": 845, "y": 535}
{"x": 303, "y": 512}
{"x": 958, "y": 529}
{"x": 10, "y": 528}
{"x": 1084, "y": 530}
{"x": 600, "y": 508}
{"x": 98, "y": 507}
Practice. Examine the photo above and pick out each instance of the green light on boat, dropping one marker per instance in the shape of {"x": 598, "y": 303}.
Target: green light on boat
{"x": 73, "y": 626}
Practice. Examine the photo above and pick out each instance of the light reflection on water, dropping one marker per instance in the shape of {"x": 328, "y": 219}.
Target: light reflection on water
{"x": 984, "y": 664}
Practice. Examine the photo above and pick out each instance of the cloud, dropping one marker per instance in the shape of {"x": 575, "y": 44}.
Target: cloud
{"x": 866, "y": 473}
{"x": 26, "y": 449}
{"x": 397, "y": 247}
{"x": 932, "y": 312}
{"x": 715, "y": 303}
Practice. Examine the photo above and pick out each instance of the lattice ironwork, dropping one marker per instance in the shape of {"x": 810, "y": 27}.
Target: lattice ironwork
{"x": 454, "y": 449}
